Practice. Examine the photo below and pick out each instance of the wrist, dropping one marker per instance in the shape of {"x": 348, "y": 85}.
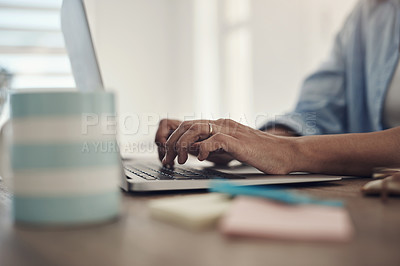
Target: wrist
{"x": 292, "y": 155}
{"x": 304, "y": 159}
{"x": 288, "y": 155}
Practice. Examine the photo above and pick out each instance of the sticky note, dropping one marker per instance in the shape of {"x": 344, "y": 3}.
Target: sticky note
{"x": 270, "y": 192}
{"x": 193, "y": 211}
{"x": 256, "y": 217}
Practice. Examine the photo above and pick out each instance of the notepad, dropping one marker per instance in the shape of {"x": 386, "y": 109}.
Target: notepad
{"x": 193, "y": 211}
{"x": 255, "y": 217}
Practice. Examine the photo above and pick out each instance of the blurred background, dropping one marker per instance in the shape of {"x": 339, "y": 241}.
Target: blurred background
{"x": 243, "y": 59}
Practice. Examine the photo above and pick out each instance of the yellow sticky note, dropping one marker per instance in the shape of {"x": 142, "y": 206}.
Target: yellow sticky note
{"x": 193, "y": 211}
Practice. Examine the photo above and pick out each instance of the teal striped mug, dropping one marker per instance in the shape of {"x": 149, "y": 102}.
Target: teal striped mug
{"x": 64, "y": 160}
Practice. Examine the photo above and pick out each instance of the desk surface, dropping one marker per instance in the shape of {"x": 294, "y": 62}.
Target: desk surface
{"x": 136, "y": 239}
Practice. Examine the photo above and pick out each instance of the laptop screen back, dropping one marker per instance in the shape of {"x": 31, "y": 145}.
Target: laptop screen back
{"x": 79, "y": 44}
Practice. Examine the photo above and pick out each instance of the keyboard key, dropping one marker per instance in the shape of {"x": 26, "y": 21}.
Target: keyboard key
{"x": 139, "y": 173}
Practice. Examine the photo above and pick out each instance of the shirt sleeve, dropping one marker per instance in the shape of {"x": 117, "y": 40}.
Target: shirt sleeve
{"x": 321, "y": 107}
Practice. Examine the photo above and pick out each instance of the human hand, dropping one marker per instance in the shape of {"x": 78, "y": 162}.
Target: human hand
{"x": 270, "y": 154}
{"x": 168, "y": 126}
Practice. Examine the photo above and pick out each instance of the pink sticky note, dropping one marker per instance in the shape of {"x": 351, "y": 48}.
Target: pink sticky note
{"x": 257, "y": 217}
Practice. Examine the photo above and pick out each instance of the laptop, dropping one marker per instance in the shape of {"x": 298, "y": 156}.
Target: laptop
{"x": 149, "y": 174}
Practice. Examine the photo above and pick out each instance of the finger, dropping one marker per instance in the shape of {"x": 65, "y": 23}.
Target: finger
{"x": 162, "y": 131}
{"x": 170, "y": 151}
{"x": 219, "y": 141}
{"x": 219, "y": 157}
{"x": 165, "y": 129}
{"x": 197, "y": 132}
{"x": 161, "y": 152}
{"x": 161, "y": 147}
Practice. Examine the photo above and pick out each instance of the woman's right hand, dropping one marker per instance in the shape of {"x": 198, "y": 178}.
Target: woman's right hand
{"x": 168, "y": 126}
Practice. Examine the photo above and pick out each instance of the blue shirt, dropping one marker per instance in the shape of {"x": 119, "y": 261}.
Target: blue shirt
{"x": 347, "y": 92}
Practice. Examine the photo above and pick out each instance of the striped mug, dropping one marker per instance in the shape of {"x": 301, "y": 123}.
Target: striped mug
{"x": 64, "y": 170}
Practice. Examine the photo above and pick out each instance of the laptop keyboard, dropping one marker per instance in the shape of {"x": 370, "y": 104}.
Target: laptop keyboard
{"x": 177, "y": 173}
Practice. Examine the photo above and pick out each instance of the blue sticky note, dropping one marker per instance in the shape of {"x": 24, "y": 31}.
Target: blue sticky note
{"x": 271, "y": 192}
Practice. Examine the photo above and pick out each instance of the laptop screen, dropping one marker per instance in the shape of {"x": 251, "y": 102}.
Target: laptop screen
{"x": 79, "y": 44}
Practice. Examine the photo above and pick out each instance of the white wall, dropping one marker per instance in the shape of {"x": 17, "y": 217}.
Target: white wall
{"x": 147, "y": 52}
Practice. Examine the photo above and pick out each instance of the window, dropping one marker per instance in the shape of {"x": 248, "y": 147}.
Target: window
{"x": 222, "y": 55}
{"x": 236, "y": 58}
{"x": 32, "y": 45}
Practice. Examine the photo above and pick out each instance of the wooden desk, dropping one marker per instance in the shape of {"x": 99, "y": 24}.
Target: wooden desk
{"x": 136, "y": 239}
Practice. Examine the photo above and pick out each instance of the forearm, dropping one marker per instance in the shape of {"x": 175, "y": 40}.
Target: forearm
{"x": 347, "y": 154}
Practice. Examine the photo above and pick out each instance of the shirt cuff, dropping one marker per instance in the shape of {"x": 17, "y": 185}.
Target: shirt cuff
{"x": 303, "y": 124}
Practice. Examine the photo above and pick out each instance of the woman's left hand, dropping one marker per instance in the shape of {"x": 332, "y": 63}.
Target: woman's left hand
{"x": 268, "y": 153}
